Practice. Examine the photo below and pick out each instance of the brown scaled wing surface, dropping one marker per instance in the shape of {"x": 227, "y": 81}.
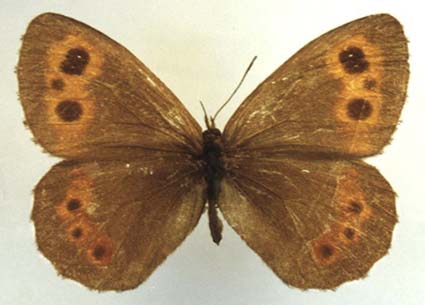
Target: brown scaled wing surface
{"x": 294, "y": 190}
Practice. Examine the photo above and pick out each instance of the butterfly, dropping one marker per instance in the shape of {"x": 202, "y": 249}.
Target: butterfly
{"x": 286, "y": 172}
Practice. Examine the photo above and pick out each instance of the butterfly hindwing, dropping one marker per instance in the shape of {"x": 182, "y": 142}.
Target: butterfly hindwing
{"x": 84, "y": 95}
{"x": 315, "y": 223}
{"x": 340, "y": 94}
{"x": 109, "y": 224}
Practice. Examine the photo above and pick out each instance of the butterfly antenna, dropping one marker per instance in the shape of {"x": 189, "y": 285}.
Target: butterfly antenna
{"x": 207, "y": 121}
{"x": 236, "y": 89}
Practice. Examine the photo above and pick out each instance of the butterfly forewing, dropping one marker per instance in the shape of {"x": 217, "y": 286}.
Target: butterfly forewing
{"x": 84, "y": 95}
{"x": 109, "y": 224}
{"x": 340, "y": 94}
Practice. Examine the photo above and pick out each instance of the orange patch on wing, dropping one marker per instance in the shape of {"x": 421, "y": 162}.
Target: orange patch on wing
{"x": 325, "y": 250}
{"x": 75, "y": 211}
{"x": 364, "y": 84}
{"x": 101, "y": 251}
{"x": 355, "y": 209}
{"x": 350, "y": 200}
{"x": 348, "y": 234}
{"x": 80, "y": 231}
{"x": 346, "y": 229}
{"x": 345, "y": 233}
{"x": 373, "y": 56}
{"x": 58, "y": 51}
{"x": 78, "y": 198}
{"x": 69, "y": 124}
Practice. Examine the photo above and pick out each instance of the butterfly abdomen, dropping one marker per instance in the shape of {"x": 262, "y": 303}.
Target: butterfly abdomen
{"x": 213, "y": 173}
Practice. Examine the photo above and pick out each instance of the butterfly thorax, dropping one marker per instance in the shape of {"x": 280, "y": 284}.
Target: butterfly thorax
{"x": 213, "y": 173}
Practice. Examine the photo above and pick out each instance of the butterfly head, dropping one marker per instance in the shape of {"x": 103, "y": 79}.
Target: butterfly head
{"x": 211, "y": 135}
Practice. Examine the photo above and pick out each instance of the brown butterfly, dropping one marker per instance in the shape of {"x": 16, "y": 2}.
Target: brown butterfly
{"x": 286, "y": 173}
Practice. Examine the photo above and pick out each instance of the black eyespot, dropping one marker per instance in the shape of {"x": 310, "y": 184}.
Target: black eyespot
{"x": 75, "y": 62}
{"x": 355, "y": 207}
{"x": 359, "y": 109}
{"x": 369, "y": 84}
{"x": 77, "y": 233}
{"x": 69, "y": 111}
{"x": 354, "y": 61}
{"x": 73, "y": 204}
{"x": 57, "y": 84}
{"x": 99, "y": 252}
{"x": 326, "y": 250}
{"x": 349, "y": 233}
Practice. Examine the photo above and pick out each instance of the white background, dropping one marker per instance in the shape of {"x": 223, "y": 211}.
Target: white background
{"x": 200, "y": 49}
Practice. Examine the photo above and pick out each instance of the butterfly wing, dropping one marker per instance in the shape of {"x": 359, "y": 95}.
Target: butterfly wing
{"x": 84, "y": 95}
{"x": 109, "y": 219}
{"x": 315, "y": 223}
{"x": 315, "y": 219}
{"x": 109, "y": 224}
{"x": 342, "y": 94}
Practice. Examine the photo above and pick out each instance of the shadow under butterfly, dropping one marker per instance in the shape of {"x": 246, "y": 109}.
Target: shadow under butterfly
{"x": 286, "y": 173}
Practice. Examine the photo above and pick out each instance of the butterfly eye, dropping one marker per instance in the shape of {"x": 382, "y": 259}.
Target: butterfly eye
{"x": 211, "y": 134}
{"x": 75, "y": 62}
